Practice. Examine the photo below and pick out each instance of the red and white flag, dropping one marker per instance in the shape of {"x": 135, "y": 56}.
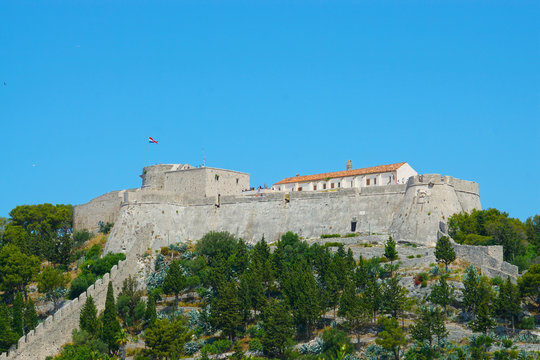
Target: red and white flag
{"x": 152, "y": 141}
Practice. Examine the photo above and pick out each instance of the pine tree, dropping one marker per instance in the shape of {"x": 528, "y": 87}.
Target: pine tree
{"x": 17, "y": 315}
{"x": 508, "y": 301}
{"x": 428, "y": 327}
{"x": 350, "y": 307}
{"x": 444, "y": 252}
{"x": 390, "y": 251}
{"x": 483, "y": 321}
{"x": 391, "y": 338}
{"x": 30, "y": 318}
{"x": 226, "y": 309}
{"x": 442, "y": 293}
{"x": 111, "y": 326}
{"x": 7, "y": 336}
{"x": 150, "y": 313}
{"x": 174, "y": 282}
{"x": 88, "y": 320}
{"x": 278, "y": 329}
{"x": 471, "y": 281}
{"x": 394, "y": 297}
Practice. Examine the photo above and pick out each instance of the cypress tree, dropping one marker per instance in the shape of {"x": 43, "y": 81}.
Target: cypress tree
{"x": 111, "y": 326}
{"x": 151, "y": 313}
{"x": 30, "y": 318}
{"x": 278, "y": 329}
{"x": 442, "y": 293}
{"x": 88, "y": 320}
{"x": 17, "y": 311}
{"x": 390, "y": 251}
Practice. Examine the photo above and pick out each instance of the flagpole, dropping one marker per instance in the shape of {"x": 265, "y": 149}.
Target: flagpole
{"x": 148, "y": 152}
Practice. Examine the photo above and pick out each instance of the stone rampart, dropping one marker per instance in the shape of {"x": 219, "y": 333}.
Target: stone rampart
{"x": 428, "y": 200}
{"x": 49, "y": 336}
{"x": 103, "y": 208}
{"x": 488, "y": 258}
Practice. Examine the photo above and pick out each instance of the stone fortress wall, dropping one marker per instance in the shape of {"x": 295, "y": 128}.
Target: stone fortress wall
{"x": 152, "y": 217}
{"x": 49, "y": 336}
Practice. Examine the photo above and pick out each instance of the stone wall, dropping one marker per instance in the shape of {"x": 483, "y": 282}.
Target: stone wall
{"x": 103, "y": 208}
{"x": 430, "y": 199}
{"x": 49, "y": 336}
{"x": 488, "y": 258}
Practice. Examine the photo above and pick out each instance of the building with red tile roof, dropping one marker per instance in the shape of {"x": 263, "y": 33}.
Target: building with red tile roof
{"x": 397, "y": 173}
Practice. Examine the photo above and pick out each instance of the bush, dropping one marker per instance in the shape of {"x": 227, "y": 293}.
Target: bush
{"x": 80, "y": 284}
{"x": 81, "y": 236}
{"x": 255, "y": 345}
{"x": 349, "y": 235}
{"x": 328, "y": 236}
{"x": 410, "y": 257}
{"x": 333, "y": 244}
{"x": 527, "y": 323}
{"x": 419, "y": 255}
{"x": 165, "y": 251}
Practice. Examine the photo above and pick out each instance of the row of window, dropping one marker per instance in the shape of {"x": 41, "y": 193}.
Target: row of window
{"x": 333, "y": 185}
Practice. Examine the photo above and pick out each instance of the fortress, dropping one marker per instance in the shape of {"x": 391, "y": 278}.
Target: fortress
{"x": 179, "y": 203}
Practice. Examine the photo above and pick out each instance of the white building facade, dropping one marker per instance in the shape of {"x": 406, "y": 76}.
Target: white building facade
{"x": 380, "y": 175}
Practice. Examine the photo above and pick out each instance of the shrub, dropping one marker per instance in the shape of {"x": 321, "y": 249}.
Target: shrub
{"x": 81, "y": 236}
{"x": 94, "y": 251}
{"x": 410, "y": 257}
{"x": 333, "y": 244}
{"x": 255, "y": 345}
{"x": 527, "y": 323}
{"x": 80, "y": 284}
{"x": 222, "y": 345}
{"x": 419, "y": 255}
{"x": 349, "y": 235}
{"x": 164, "y": 251}
{"x": 421, "y": 279}
{"x": 328, "y": 236}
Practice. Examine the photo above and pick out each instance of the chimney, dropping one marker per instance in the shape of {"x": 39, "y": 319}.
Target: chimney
{"x": 349, "y": 165}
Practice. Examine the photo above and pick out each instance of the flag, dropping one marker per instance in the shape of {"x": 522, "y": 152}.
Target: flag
{"x": 152, "y": 141}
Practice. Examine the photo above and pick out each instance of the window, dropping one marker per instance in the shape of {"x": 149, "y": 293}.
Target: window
{"x": 351, "y": 183}
{"x": 332, "y": 185}
{"x": 299, "y": 188}
{"x": 314, "y": 187}
{"x": 367, "y": 182}
{"x": 338, "y": 184}
{"x": 375, "y": 181}
{"x": 324, "y": 186}
{"x": 236, "y": 181}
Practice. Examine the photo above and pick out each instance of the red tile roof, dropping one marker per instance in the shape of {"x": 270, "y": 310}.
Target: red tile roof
{"x": 339, "y": 174}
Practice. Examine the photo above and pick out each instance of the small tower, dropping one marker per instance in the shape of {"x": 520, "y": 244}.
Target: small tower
{"x": 349, "y": 165}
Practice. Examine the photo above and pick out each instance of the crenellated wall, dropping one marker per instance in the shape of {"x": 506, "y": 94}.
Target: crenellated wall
{"x": 49, "y": 336}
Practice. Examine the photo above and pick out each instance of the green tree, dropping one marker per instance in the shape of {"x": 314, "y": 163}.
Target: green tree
{"x": 226, "y": 309}
{"x": 352, "y": 309}
{"x": 111, "y": 326}
{"x": 333, "y": 341}
{"x": 30, "y": 318}
{"x": 532, "y": 227}
{"x": 390, "y": 251}
{"x": 150, "y": 313}
{"x": 175, "y": 281}
{"x": 302, "y": 294}
{"x": 428, "y": 327}
{"x": 394, "y": 297}
{"x": 17, "y": 270}
{"x": 40, "y": 229}
{"x": 166, "y": 339}
{"x": 261, "y": 263}
{"x": 391, "y": 338}
{"x": 442, "y": 293}
{"x": 17, "y": 315}
{"x": 278, "y": 329}
{"x": 7, "y": 336}
{"x": 529, "y": 283}
{"x": 132, "y": 298}
{"x": 372, "y": 296}
{"x": 483, "y": 320}
{"x": 444, "y": 252}
{"x": 88, "y": 320}
{"x": 508, "y": 301}
{"x": 52, "y": 282}
{"x": 471, "y": 281}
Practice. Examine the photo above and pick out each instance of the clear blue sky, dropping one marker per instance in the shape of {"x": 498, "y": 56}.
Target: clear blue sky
{"x": 272, "y": 88}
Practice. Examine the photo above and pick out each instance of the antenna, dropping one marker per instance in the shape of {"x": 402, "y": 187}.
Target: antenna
{"x": 203, "y": 158}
